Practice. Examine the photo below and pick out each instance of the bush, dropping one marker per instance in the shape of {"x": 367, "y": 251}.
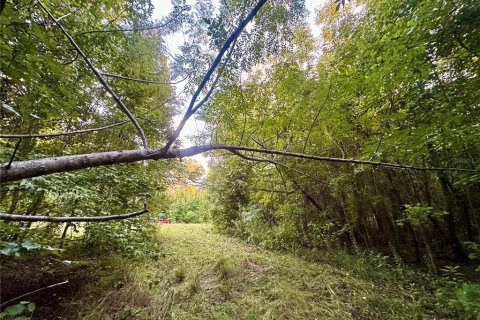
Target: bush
{"x": 189, "y": 206}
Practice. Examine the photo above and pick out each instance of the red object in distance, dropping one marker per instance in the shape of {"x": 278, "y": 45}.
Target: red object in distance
{"x": 163, "y": 221}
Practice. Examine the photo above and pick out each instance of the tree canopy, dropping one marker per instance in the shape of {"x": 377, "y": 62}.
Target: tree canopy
{"x": 367, "y": 134}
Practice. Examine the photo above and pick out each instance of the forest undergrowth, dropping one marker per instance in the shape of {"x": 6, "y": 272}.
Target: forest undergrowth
{"x": 197, "y": 273}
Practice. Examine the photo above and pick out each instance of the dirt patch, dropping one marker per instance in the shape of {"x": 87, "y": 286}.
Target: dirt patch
{"x": 215, "y": 290}
{"x": 256, "y": 269}
{"x": 208, "y": 282}
{"x": 131, "y": 295}
{"x": 20, "y": 276}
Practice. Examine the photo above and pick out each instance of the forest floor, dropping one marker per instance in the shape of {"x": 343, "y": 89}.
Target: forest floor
{"x": 204, "y": 275}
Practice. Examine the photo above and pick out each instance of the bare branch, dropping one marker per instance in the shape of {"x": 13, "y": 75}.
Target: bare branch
{"x": 6, "y": 303}
{"x": 118, "y": 76}
{"x": 276, "y": 164}
{"x": 214, "y": 84}
{"x": 263, "y": 145}
{"x": 58, "y": 134}
{"x": 145, "y": 28}
{"x": 303, "y": 191}
{"x": 33, "y": 168}
{"x": 19, "y": 217}
{"x": 317, "y": 205}
{"x": 273, "y": 190}
{"x": 463, "y": 45}
{"x": 211, "y": 70}
{"x": 64, "y": 16}
{"x": 316, "y": 117}
{"x": 341, "y": 160}
{"x": 67, "y": 133}
{"x": 99, "y": 77}
{"x": 17, "y": 145}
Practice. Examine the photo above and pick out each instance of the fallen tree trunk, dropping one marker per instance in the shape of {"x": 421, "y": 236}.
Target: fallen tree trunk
{"x": 19, "y": 170}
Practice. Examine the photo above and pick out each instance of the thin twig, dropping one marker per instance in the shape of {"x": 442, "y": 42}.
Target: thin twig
{"x": 303, "y": 191}
{"x": 273, "y": 190}
{"x": 316, "y": 117}
{"x": 463, "y": 45}
{"x": 13, "y": 154}
{"x": 118, "y": 76}
{"x": 127, "y": 29}
{"x": 19, "y": 217}
{"x": 58, "y": 134}
{"x": 276, "y": 163}
{"x": 99, "y": 77}
{"x": 32, "y": 292}
{"x": 264, "y": 146}
{"x": 67, "y": 133}
{"x": 244, "y": 106}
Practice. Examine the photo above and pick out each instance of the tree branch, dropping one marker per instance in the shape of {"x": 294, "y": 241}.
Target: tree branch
{"x": 17, "y": 145}
{"x": 210, "y": 71}
{"x": 316, "y": 117}
{"x": 33, "y": 168}
{"x": 285, "y": 166}
{"x": 19, "y": 217}
{"x": 32, "y": 292}
{"x": 58, "y": 134}
{"x": 214, "y": 84}
{"x": 464, "y": 46}
{"x": 273, "y": 190}
{"x": 129, "y": 29}
{"x": 67, "y": 133}
{"x": 303, "y": 191}
{"x": 118, "y": 76}
{"x": 99, "y": 77}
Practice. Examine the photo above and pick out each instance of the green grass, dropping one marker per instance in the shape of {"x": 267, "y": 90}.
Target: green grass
{"x": 205, "y": 275}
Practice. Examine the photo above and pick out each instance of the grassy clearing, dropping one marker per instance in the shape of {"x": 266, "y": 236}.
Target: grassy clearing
{"x": 204, "y": 275}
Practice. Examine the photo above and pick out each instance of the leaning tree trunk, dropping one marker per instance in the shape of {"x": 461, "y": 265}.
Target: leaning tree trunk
{"x": 457, "y": 248}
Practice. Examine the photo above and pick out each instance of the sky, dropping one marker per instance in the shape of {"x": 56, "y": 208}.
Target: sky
{"x": 173, "y": 42}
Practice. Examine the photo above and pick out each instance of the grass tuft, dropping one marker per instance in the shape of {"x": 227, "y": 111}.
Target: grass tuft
{"x": 224, "y": 268}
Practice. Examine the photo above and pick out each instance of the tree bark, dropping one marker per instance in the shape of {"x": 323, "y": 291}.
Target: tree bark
{"x": 33, "y": 168}
{"x": 457, "y": 248}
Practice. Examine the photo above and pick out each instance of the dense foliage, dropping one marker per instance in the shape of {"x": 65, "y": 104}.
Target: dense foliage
{"x": 186, "y": 199}
{"x": 189, "y": 205}
{"x": 389, "y": 81}
{"x": 51, "y": 56}
{"x": 392, "y": 81}
{"x": 46, "y": 87}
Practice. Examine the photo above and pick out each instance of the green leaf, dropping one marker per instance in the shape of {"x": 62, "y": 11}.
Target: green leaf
{"x": 31, "y": 307}
{"x": 15, "y": 309}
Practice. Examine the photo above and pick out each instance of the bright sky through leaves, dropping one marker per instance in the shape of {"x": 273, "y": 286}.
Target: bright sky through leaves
{"x": 174, "y": 41}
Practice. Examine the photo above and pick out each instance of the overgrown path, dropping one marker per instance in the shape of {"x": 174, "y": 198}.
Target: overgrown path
{"x": 195, "y": 273}
{"x": 211, "y": 276}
